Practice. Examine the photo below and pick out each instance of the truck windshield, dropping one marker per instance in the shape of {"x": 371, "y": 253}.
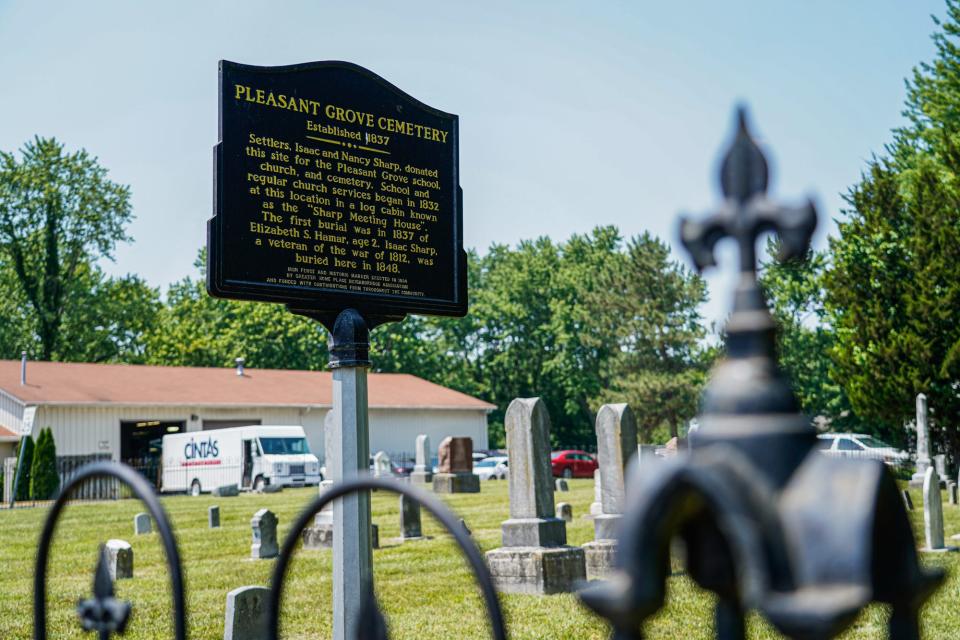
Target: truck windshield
{"x": 284, "y": 446}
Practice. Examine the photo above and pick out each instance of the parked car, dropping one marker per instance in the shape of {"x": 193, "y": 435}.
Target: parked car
{"x": 492, "y": 468}
{"x": 859, "y": 445}
{"x": 572, "y": 464}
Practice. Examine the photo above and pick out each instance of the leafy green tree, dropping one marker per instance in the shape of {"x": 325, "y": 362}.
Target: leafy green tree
{"x": 22, "y": 483}
{"x": 44, "y": 480}
{"x": 59, "y": 213}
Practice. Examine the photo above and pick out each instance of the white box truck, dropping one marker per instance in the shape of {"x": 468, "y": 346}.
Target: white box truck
{"x": 248, "y": 457}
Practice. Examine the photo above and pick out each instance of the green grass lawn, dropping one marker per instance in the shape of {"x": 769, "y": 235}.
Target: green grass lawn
{"x": 424, "y": 587}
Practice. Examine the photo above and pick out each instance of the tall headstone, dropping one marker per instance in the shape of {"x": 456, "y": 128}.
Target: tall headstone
{"x": 940, "y": 464}
{"x": 923, "y": 442}
{"x": 422, "y": 468}
{"x": 932, "y": 513}
{"x": 616, "y": 430}
{"x": 381, "y": 465}
{"x": 120, "y": 556}
{"x": 534, "y": 557}
{"x": 213, "y": 517}
{"x": 264, "y": 524}
{"x": 247, "y": 614}
{"x": 952, "y": 493}
{"x": 141, "y": 524}
{"x": 455, "y": 467}
{"x": 410, "y": 528}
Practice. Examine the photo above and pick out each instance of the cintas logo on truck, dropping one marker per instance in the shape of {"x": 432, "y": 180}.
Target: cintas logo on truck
{"x": 201, "y": 453}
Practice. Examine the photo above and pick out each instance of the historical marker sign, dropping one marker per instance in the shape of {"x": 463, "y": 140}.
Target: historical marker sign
{"x": 335, "y": 189}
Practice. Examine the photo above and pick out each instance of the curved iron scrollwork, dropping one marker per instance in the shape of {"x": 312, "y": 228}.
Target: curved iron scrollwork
{"x": 103, "y": 613}
{"x": 373, "y": 626}
{"x": 768, "y": 522}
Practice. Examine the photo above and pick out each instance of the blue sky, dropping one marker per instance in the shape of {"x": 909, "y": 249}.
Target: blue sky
{"x": 572, "y": 114}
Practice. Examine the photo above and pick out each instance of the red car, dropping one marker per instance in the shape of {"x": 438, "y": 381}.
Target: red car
{"x": 572, "y": 464}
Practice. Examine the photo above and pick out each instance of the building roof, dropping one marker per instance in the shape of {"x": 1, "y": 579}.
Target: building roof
{"x": 8, "y": 435}
{"x": 69, "y": 383}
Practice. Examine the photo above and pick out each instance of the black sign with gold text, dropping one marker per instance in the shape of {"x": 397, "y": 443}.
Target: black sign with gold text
{"x": 334, "y": 189}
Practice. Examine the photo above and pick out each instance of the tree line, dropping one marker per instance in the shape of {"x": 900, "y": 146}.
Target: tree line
{"x": 866, "y": 324}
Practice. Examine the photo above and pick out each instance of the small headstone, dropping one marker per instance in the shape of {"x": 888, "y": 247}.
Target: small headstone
{"x": 932, "y": 512}
{"x": 455, "y": 469}
{"x": 561, "y": 485}
{"x": 374, "y": 535}
{"x": 422, "y": 469}
{"x": 247, "y": 614}
{"x": 381, "y": 465}
{"x": 952, "y": 493}
{"x": 141, "y": 524}
{"x": 565, "y": 511}
{"x": 213, "y": 517}
{"x": 227, "y": 491}
{"x": 455, "y": 455}
{"x": 463, "y": 523}
{"x": 410, "y": 518}
{"x": 907, "y": 500}
{"x": 596, "y": 507}
{"x": 120, "y": 555}
{"x": 264, "y": 524}
{"x": 320, "y": 534}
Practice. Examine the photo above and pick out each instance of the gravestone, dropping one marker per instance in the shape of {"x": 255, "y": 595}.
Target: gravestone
{"x": 381, "y": 465}
{"x": 923, "y": 442}
{"x": 616, "y": 430}
{"x": 410, "y": 528}
{"x": 422, "y": 468}
{"x": 120, "y": 557}
{"x": 213, "y": 517}
{"x": 933, "y": 513}
{"x": 320, "y": 534}
{"x": 374, "y": 535}
{"x": 455, "y": 467}
{"x": 247, "y": 614}
{"x": 940, "y": 464}
{"x": 561, "y": 485}
{"x": 596, "y": 508}
{"x": 141, "y": 524}
{"x": 952, "y": 493}
{"x": 565, "y": 511}
{"x": 534, "y": 557}
{"x": 227, "y": 491}
{"x": 264, "y": 525}
{"x": 463, "y": 523}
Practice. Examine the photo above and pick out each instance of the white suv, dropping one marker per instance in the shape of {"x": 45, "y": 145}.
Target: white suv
{"x": 860, "y": 445}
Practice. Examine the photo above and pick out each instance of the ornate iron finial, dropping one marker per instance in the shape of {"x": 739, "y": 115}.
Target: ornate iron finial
{"x": 103, "y": 613}
{"x": 746, "y": 212}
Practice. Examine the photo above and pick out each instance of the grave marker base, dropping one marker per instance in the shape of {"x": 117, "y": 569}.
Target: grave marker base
{"x": 599, "y": 555}
{"x": 536, "y": 570}
{"x": 456, "y": 483}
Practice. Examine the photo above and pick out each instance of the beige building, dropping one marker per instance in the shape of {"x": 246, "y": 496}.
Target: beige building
{"x": 122, "y": 411}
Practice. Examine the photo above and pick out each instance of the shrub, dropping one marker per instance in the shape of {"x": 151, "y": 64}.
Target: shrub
{"x": 44, "y": 480}
{"x": 23, "y": 486}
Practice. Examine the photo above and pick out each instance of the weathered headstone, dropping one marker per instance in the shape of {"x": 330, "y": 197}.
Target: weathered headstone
{"x": 227, "y": 491}
{"x": 120, "y": 556}
{"x": 932, "y": 512}
{"x": 264, "y": 524}
{"x": 213, "y": 517}
{"x": 561, "y": 485}
{"x": 422, "y": 469}
{"x": 565, "y": 511}
{"x": 247, "y": 614}
{"x": 534, "y": 557}
{"x": 141, "y": 524}
{"x": 616, "y": 430}
{"x": 320, "y": 534}
{"x": 940, "y": 464}
{"x": 381, "y": 465}
{"x": 455, "y": 468}
{"x": 410, "y": 528}
{"x": 923, "y": 442}
{"x": 596, "y": 507}
{"x": 907, "y": 500}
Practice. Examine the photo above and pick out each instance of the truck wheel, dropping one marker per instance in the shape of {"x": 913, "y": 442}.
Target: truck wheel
{"x": 568, "y": 473}
{"x": 258, "y": 484}
{"x": 195, "y": 488}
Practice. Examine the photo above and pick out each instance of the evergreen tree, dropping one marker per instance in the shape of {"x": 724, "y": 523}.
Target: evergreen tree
{"x": 44, "y": 480}
{"x": 23, "y": 486}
